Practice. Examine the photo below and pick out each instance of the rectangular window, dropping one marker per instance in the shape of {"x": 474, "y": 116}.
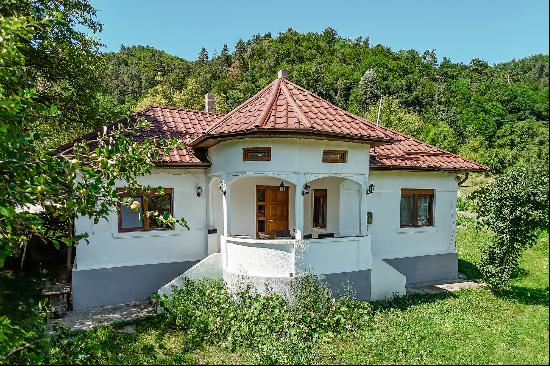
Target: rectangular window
{"x": 320, "y": 208}
{"x": 416, "y": 207}
{"x": 335, "y": 156}
{"x": 256, "y": 154}
{"x": 146, "y": 211}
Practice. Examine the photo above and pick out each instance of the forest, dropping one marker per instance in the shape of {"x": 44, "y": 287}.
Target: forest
{"x": 495, "y": 114}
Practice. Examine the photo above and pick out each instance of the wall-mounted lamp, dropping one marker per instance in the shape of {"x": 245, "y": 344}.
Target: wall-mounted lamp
{"x": 305, "y": 190}
{"x": 282, "y": 187}
{"x": 222, "y": 187}
{"x": 369, "y": 218}
{"x": 370, "y": 189}
{"x": 199, "y": 191}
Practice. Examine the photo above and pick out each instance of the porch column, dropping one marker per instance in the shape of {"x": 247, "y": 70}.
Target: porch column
{"x": 226, "y": 209}
{"x": 299, "y": 208}
{"x": 363, "y": 211}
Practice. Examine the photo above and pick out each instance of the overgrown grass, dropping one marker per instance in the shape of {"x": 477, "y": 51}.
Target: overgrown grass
{"x": 469, "y": 326}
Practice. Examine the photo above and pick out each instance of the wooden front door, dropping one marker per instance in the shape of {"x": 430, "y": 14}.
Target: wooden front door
{"x": 271, "y": 210}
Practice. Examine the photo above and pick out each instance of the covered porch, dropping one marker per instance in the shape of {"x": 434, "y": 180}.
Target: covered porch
{"x": 284, "y": 206}
{"x": 272, "y": 228}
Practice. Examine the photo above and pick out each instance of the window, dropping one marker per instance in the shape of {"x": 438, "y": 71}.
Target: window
{"x": 335, "y": 156}
{"x": 256, "y": 154}
{"x": 142, "y": 214}
{"x": 417, "y": 207}
{"x": 320, "y": 208}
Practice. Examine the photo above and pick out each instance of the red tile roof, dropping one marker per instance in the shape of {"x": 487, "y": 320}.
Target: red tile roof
{"x": 283, "y": 107}
{"x": 410, "y": 153}
{"x": 183, "y": 124}
{"x": 168, "y": 123}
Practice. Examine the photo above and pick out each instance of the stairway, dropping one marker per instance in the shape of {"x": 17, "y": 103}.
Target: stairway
{"x": 386, "y": 281}
{"x": 209, "y": 267}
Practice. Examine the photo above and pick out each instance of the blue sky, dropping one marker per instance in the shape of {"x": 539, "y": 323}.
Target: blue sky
{"x": 495, "y": 31}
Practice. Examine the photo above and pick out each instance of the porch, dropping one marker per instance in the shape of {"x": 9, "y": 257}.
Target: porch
{"x": 285, "y": 206}
{"x": 271, "y": 229}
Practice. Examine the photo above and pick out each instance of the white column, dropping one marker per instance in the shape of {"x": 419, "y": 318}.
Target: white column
{"x": 226, "y": 210}
{"x": 299, "y": 207}
{"x": 363, "y": 210}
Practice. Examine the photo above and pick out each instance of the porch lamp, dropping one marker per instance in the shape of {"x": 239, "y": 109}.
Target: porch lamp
{"x": 305, "y": 190}
{"x": 282, "y": 187}
{"x": 370, "y": 189}
{"x": 199, "y": 191}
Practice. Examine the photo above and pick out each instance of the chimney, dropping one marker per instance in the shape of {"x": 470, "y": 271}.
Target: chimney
{"x": 283, "y": 74}
{"x": 209, "y": 102}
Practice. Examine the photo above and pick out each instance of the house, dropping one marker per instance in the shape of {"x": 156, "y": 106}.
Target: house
{"x": 286, "y": 183}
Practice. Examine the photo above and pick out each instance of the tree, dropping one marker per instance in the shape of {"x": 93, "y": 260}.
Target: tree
{"x": 203, "y": 55}
{"x": 80, "y": 181}
{"x": 514, "y": 206}
{"x": 63, "y": 65}
{"x": 367, "y": 90}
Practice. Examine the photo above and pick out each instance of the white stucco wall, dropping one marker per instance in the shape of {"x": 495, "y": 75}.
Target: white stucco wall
{"x": 285, "y": 258}
{"x": 335, "y": 255}
{"x": 290, "y": 155}
{"x": 389, "y": 240}
{"x": 109, "y": 248}
{"x": 248, "y": 257}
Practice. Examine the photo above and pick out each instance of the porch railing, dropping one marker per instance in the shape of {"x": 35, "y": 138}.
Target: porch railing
{"x": 289, "y": 257}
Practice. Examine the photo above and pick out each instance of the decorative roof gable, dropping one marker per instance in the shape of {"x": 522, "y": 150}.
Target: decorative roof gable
{"x": 284, "y": 108}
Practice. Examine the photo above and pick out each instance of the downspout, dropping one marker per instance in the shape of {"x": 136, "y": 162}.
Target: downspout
{"x": 464, "y": 179}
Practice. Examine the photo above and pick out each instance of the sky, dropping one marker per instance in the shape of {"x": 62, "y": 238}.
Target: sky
{"x": 495, "y": 31}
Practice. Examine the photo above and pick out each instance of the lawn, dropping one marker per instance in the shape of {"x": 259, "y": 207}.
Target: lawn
{"x": 467, "y": 327}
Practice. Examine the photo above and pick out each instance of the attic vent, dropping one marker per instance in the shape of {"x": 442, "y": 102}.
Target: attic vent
{"x": 283, "y": 74}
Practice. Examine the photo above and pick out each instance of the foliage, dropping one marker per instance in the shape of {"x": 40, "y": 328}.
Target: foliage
{"x": 465, "y": 327}
{"x": 282, "y": 331}
{"x": 477, "y": 110}
{"x": 63, "y": 67}
{"x": 514, "y": 207}
{"x": 39, "y": 183}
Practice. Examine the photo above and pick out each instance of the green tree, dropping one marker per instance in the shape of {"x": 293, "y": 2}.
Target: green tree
{"x": 63, "y": 66}
{"x": 514, "y": 207}
{"x": 60, "y": 185}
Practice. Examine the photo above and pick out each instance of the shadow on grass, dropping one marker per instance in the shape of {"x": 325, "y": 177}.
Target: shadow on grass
{"x": 526, "y": 295}
{"x": 523, "y": 295}
{"x": 405, "y": 302}
{"x": 469, "y": 269}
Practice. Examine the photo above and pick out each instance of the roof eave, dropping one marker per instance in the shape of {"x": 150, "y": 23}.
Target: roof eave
{"x": 168, "y": 164}
{"x": 418, "y": 168}
{"x": 208, "y": 140}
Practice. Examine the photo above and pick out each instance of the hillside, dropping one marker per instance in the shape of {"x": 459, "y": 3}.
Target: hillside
{"x": 496, "y": 114}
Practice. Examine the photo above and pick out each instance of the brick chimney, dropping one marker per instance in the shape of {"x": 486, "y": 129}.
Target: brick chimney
{"x": 209, "y": 102}
{"x": 283, "y": 74}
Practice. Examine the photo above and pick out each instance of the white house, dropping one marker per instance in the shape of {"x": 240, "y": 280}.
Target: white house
{"x": 283, "y": 184}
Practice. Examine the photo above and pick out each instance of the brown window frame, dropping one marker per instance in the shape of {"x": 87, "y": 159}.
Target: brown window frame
{"x": 342, "y": 159}
{"x": 315, "y": 220}
{"x": 123, "y": 192}
{"x": 416, "y": 193}
{"x": 248, "y": 150}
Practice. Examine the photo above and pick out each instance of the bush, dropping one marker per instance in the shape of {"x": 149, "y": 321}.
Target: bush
{"x": 23, "y": 344}
{"x": 276, "y": 329}
{"x": 514, "y": 207}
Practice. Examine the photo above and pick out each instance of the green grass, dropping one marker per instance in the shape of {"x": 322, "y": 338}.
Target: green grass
{"x": 469, "y": 326}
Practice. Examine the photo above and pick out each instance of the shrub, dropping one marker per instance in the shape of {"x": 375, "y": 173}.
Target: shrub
{"x": 514, "y": 207}
{"x": 276, "y": 329}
